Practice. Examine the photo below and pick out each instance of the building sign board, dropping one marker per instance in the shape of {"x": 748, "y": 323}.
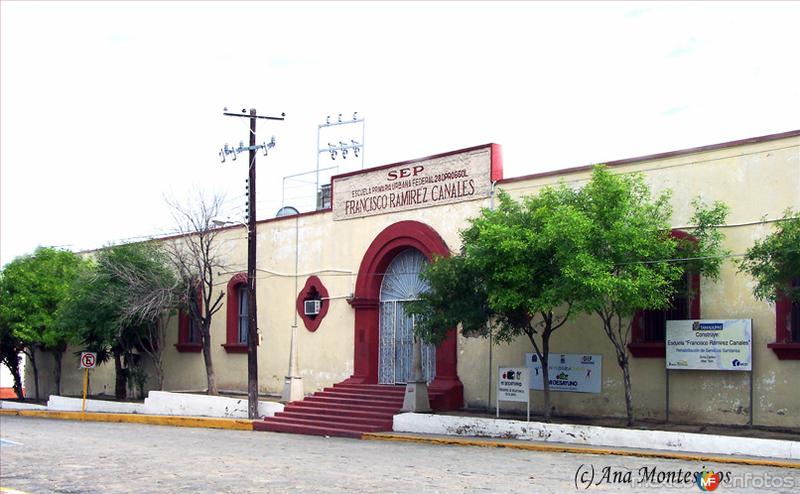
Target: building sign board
{"x": 513, "y": 384}
{"x": 578, "y": 372}
{"x": 710, "y": 344}
{"x": 447, "y": 179}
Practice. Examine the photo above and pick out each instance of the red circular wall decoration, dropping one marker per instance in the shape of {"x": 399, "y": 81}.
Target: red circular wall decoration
{"x": 313, "y": 290}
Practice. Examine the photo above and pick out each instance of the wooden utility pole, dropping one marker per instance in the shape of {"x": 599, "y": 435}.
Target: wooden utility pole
{"x": 252, "y": 329}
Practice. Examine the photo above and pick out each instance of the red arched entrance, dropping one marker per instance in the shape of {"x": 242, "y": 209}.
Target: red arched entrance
{"x": 390, "y": 242}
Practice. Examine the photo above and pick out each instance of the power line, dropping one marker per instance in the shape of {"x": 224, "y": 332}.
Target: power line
{"x": 699, "y": 258}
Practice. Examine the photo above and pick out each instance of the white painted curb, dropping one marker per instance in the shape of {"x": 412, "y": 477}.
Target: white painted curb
{"x": 165, "y": 403}
{"x": 158, "y": 403}
{"x": 64, "y": 404}
{"x": 683, "y": 442}
{"x": 13, "y": 405}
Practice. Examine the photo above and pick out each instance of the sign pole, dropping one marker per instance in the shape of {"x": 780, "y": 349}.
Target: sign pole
{"x": 529, "y": 408}
{"x": 667, "y": 400}
{"x": 752, "y": 370}
{"x": 88, "y": 361}
{"x": 85, "y": 386}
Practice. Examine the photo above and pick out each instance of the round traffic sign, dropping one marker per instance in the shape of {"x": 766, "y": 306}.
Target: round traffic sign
{"x": 88, "y": 360}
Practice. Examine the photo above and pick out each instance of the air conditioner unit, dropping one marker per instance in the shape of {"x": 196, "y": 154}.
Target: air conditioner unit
{"x": 311, "y": 307}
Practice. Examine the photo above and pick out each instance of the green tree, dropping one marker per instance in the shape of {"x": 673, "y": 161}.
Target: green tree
{"x": 121, "y": 305}
{"x": 630, "y": 260}
{"x": 10, "y": 349}
{"x": 774, "y": 262}
{"x": 511, "y": 278}
{"x": 33, "y": 288}
{"x": 92, "y": 314}
{"x": 149, "y": 293}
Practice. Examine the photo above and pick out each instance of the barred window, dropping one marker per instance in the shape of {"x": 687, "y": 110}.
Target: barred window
{"x": 241, "y": 335}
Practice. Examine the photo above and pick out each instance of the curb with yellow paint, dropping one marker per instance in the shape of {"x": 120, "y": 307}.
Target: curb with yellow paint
{"x": 175, "y": 421}
{"x": 554, "y": 448}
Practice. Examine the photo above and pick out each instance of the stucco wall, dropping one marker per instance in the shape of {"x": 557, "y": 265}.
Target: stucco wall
{"x": 755, "y": 180}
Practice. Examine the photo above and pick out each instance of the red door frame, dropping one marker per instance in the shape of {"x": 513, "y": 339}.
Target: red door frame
{"x": 383, "y": 249}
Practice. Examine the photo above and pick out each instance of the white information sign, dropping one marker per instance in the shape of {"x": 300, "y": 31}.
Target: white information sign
{"x": 710, "y": 344}
{"x": 447, "y": 179}
{"x": 88, "y": 360}
{"x": 578, "y": 372}
{"x": 513, "y": 384}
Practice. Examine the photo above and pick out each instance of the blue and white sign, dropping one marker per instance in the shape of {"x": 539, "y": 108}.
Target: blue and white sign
{"x": 710, "y": 344}
{"x": 577, "y": 372}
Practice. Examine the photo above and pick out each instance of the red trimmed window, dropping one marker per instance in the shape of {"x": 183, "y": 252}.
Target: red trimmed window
{"x": 241, "y": 322}
{"x": 787, "y": 328}
{"x": 649, "y": 326}
{"x": 188, "y": 334}
{"x": 313, "y": 290}
{"x": 236, "y": 302}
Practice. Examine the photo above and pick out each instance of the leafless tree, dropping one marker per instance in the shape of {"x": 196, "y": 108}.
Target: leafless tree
{"x": 196, "y": 258}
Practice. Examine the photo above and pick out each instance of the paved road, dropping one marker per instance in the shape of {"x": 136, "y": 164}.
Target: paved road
{"x": 54, "y": 456}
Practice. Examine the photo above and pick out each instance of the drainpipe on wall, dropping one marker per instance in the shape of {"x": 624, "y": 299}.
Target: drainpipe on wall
{"x": 293, "y": 384}
{"x": 489, "y": 393}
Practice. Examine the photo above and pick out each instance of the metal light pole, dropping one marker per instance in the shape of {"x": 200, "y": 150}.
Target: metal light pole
{"x": 357, "y": 147}
{"x": 252, "y": 330}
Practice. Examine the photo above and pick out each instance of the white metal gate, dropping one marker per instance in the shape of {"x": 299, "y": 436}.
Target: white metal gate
{"x": 401, "y": 284}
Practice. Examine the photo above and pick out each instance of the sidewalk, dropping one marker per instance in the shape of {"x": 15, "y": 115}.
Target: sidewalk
{"x": 476, "y": 432}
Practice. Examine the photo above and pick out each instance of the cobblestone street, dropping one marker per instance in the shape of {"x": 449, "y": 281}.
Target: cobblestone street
{"x": 43, "y": 456}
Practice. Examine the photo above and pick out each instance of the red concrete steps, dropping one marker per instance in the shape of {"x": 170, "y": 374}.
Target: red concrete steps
{"x": 360, "y": 402}
{"x": 391, "y": 410}
{"x": 357, "y": 394}
{"x": 316, "y": 422}
{"x": 381, "y": 421}
{"x": 377, "y": 389}
{"x": 276, "y": 426}
{"x": 343, "y": 410}
{"x": 300, "y": 407}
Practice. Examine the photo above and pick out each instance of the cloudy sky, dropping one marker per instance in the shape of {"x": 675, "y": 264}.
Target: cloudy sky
{"x": 106, "y": 108}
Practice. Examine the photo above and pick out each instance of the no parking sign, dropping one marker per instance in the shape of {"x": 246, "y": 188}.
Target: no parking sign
{"x": 88, "y": 360}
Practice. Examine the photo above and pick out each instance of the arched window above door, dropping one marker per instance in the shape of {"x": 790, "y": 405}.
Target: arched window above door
{"x": 401, "y": 280}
